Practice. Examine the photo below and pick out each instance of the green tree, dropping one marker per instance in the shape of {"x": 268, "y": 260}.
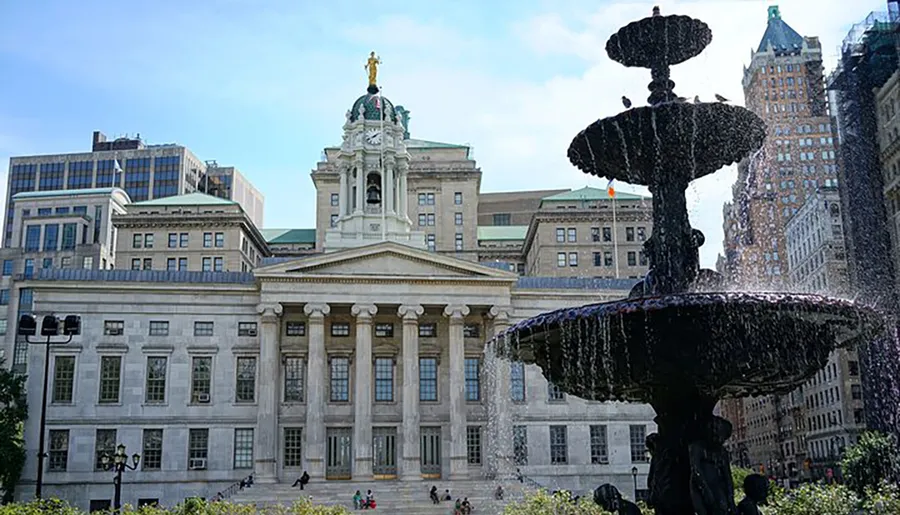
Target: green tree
{"x": 13, "y": 412}
{"x": 872, "y": 461}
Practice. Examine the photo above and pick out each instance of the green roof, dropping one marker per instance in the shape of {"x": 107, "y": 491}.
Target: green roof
{"x": 502, "y": 232}
{"x": 190, "y": 199}
{"x": 64, "y": 193}
{"x": 588, "y": 193}
{"x": 289, "y": 236}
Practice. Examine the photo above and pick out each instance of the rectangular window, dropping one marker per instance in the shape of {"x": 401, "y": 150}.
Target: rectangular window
{"x": 63, "y": 379}
{"x": 473, "y": 445}
{"x": 113, "y": 327}
{"x": 203, "y": 328}
{"x": 201, "y": 379}
{"x": 68, "y": 236}
{"x": 573, "y": 259}
{"x": 430, "y": 242}
{"x": 428, "y": 379}
{"x": 457, "y": 198}
{"x": 595, "y": 234}
{"x": 422, "y": 220}
{"x": 517, "y": 381}
{"x": 340, "y": 329}
{"x": 458, "y": 241}
{"x": 206, "y": 264}
{"x": 554, "y": 394}
{"x": 856, "y": 392}
{"x": 110, "y": 379}
{"x": 853, "y": 368}
{"x": 384, "y": 330}
{"x": 137, "y": 241}
{"x": 183, "y": 239}
{"x": 335, "y": 199}
{"x": 156, "y": 380}
{"x": 28, "y": 269}
{"x": 607, "y": 258}
{"x": 598, "y": 259}
{"x": 3, "y": 326}
{"x": 629, "y": 234}
{"x": 51, "y": 237}
{"x": 243, "y": 448}
{"x": 171, "y": 264}
{"x": 572, "y": 235}
{"x": 293, "y": 379}
{"x": 295, "y": 329}
{"x": 559, "y": 447}
{"x": 638, "y": 436}
{"x": 293, "y": 447}
{"x": 220, "y": 240}
{"x": 58, "y": 457}
{"x": 428, "y": 330}
{"x": 473, "y": 379}
{"x": 632, "y": 258}
{"x": 607, "y": 234}
{"x": 148, "y": 241}
{"x": 642, "y": 234}
{"x": 159, "y": 328}
{"x": 560, "y": 235}
{"x": 245, "y": 386}
{"x": 198, "y": 448}
{"x": 104, "y": 443}
{"x": 501, "y": 219}
{"x": 471, "y": 331}
{"x": 173, "y": 240}
{"x": 148, "y": 263}
{"x": 247, "y": 329}
{"x": 429, "y": 199}
{"x": 151, "y": 455}
{"x": 384, "y": 379}
{"x": 458, "y": 218}
{"x": 340, "y": 379}
{"x": 4, "y": 297}
{"x": 207, "y": 240}
{"x": 421, "y": 199}
{"x": 561, "y": 259}
{"x": 599, "y": 447}
{"x": 642, "y": 258}
{"x": 520, "y": 445}
{"x": 182, "y": 264}
{"x": 430, "y": 219}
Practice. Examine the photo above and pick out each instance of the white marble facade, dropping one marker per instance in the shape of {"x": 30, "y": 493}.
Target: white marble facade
{"x": 315, "y": 364}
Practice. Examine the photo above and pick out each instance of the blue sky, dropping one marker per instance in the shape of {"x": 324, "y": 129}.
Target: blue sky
{"x": 263, "y": 84}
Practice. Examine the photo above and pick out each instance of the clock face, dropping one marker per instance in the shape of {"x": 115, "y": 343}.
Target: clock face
{"x": 373, "y": 136}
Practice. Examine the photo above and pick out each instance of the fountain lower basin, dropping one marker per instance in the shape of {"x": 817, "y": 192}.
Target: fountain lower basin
{"x": 714, "y": 344}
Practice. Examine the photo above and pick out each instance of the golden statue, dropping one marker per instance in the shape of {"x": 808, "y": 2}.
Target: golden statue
{"x": 372, "y": 67}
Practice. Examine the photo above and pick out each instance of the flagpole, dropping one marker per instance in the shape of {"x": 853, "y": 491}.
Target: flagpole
{"x": 615, "y": 237}
{"x": 383, "y": 180}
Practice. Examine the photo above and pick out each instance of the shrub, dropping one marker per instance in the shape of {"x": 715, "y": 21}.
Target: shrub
{"x": 543, "y": 503}
{"x": 188, "y": 507}
{"x": 871, "y": 461}
{"x": 815, "y": 499}
{"x": 884, "y": 500}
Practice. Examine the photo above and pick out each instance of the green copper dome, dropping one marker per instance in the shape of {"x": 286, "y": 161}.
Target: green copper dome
{"x": 373, "y": 108}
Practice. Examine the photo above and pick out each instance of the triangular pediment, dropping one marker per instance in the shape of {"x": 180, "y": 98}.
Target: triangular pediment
{"x": 388, "y": 259}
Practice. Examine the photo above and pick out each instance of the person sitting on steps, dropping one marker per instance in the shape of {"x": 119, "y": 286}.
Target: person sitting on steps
{"x": 434, "y": 495}
{"x": 446, "y": 496}
{"x": 498, "y": 493}
{"x": 466, "y": 506}
{"x": 303, "y": 480}
{"x": 369, "y": 503}
{"x": 357, "y": 500}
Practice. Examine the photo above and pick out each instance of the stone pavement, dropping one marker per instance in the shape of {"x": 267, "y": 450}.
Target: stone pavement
{"x": 395, "y": 497}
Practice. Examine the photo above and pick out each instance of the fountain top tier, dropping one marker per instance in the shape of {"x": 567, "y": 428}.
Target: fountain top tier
{"x": 659, "y": 41}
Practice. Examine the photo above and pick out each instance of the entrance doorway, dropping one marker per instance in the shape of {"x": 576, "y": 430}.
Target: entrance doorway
{"x": 430, "y": 452}
{"x": 339, "y": 452}
{"x": 384, "y": 447}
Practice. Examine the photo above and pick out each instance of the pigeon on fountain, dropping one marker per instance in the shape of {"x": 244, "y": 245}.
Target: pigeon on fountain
{"x": 720, "y": 98}
{"x": 626, "y": 102}
{"x": 696, "y": 99}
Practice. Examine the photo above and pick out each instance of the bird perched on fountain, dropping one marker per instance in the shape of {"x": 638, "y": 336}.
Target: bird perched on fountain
{"x": 696, "y": 99}
{"x": 720, "y": 98}
{"x": 626, "y": 102}
{"x": 681, "y": 100}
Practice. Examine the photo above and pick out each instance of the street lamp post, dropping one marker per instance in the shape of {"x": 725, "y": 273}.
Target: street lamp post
{"x": 119, "y": 463}
{"x": 71, "y": 326}
{"x": 634, "y": 473}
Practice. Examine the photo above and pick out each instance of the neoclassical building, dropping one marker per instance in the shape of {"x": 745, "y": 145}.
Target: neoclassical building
{"x": 359, "y": 356}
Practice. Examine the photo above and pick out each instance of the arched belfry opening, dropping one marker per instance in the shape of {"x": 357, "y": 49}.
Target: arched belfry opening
{"x": 373, "y": 188}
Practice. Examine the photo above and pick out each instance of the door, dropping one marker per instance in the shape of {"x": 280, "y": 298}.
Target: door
{"x": 430, "y": 452}
{"x": 384, "y": 448}
{"x": 339, "y": 452}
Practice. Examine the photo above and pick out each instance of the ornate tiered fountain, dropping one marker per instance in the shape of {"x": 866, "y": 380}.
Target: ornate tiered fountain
{"x": 680, "y": 341}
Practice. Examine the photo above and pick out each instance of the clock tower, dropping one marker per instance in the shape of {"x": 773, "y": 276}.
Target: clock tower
{"x": 373, "y": 165}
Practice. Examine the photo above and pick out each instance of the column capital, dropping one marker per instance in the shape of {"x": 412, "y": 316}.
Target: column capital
{"x": 500, "y": 314}
{"x": 410, "y": 312}
{"x": 456, "y": 312}
{"x": 364, "y": 312}
{"x": 270, "y": 311}
{"x": 317, "y": 310}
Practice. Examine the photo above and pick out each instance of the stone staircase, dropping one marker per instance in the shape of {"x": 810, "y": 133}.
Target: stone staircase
{"x": 394, "y": 497}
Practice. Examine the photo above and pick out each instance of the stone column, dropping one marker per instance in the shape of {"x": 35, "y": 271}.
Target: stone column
{"x": 266, "y": 437}
{"x": 458, "y": 458}
{"x": 390, "y": 187}
{"x": 404, "y": 193}
{"x": 343, "y": 194}
{"x": 502, "y": 462}
{"x": 316, "y": 376}
{"x": 411, "y": 464}
{"x": 360, "y": 185}
{"x": 362, "y": 401}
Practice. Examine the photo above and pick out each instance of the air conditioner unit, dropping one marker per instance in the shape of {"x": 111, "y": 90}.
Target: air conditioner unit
{"x": 251, "y": 332}
{"x": 197, "y": 464}
{"x": 203, "y": 397}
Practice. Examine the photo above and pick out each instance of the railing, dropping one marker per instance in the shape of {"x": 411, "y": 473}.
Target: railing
{"x": 234, "y": 488}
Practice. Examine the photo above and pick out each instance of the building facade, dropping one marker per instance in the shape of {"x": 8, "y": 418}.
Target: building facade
{"x": 352, "y": 351}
